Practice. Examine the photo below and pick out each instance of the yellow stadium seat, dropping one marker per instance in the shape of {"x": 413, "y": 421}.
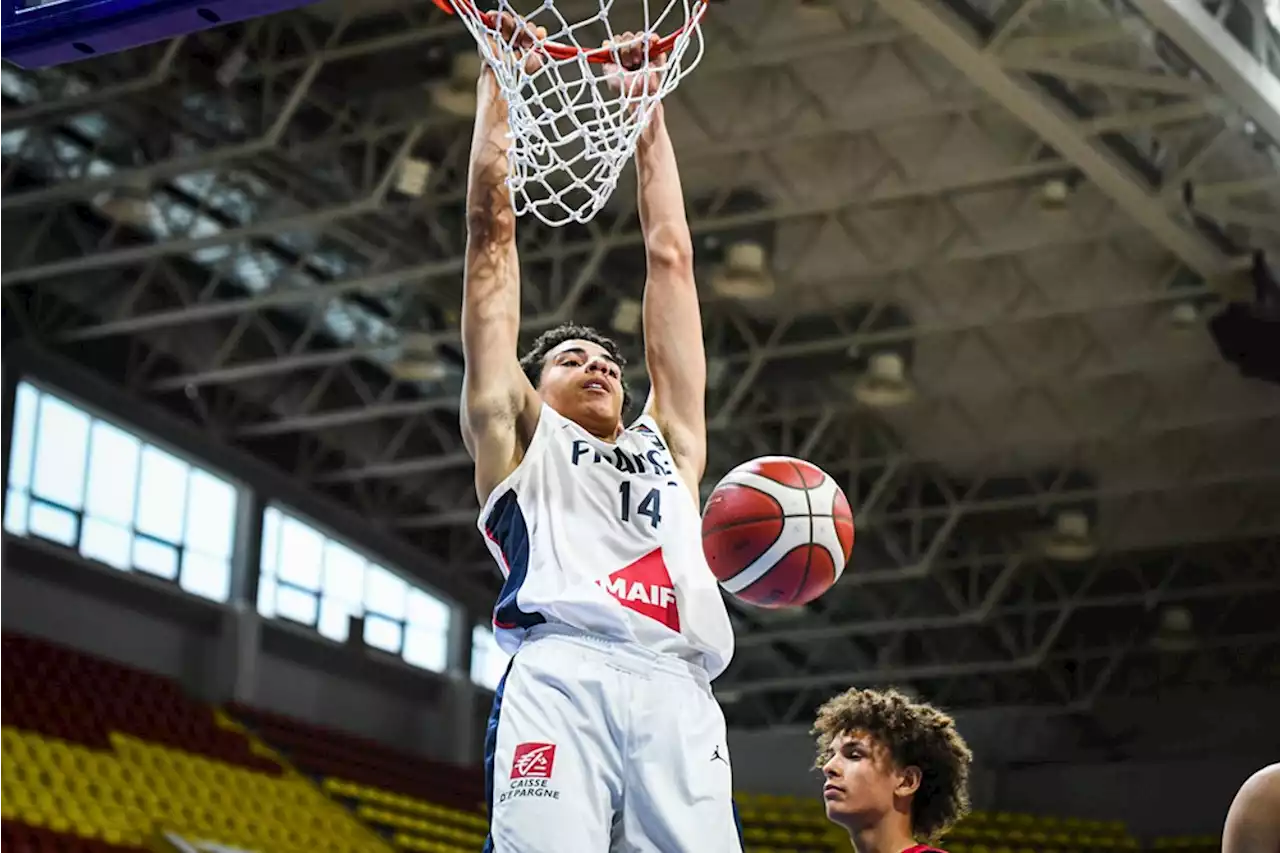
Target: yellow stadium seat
{"x": 127, "y": 794}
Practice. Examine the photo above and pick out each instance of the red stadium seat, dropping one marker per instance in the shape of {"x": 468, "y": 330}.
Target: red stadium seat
{"x": 66, "y": 694}
{"x": 325, "y": 752}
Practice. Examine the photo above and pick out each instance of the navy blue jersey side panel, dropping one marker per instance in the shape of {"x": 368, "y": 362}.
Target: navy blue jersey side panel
{"x": 506, "y": 526}
{"x": 491, "y": 750}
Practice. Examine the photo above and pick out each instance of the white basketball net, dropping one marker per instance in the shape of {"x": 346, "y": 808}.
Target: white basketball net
{"x": 572, "y": 133}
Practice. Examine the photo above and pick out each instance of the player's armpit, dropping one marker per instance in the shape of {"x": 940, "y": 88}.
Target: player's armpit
{"x": 674, "y": 351}
{"x": 496, "y": 432}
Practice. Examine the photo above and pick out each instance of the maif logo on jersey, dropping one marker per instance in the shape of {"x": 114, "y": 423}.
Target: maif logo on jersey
{"x": 645, "y": 586}
{"x": 531, "y": 767}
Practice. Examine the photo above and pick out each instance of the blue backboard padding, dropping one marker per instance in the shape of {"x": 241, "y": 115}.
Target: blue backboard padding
{"x": 66, "y": 31}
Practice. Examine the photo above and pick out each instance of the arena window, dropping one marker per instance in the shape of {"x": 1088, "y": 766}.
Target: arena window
{"x": 488, "y": 662}
{"x": 314, "y": 580}
{"x": 83, "y": 482}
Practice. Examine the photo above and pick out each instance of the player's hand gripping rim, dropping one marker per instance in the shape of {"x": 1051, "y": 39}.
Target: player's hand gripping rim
{"x": 599, "y": 55}
{"x": 635, "y": 69}
{"x": 523, "y": 41}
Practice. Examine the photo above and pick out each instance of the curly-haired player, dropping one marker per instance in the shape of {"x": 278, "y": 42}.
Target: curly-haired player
{"x": 896, "y": 771}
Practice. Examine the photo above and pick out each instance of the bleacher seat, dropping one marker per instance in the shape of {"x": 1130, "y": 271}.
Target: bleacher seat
{"x": 413, "y": 802}
{"x": 83, "y": 699}
{"x": 411, "y": 823}
{"x": 20, "y": 838}
{"x": 331, "y": 754}
{"x": 99, "y": 757}
{"x": 1187, "y": 844}
{"x": 991, "y": 832}
{"x": 781, "y": 824}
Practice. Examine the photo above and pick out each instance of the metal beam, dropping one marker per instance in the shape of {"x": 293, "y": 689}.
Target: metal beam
{"x": 173, "y": 167}
{"x": 1057, "y": 495}
{"x": 45, "y": 111}
{"x": 311, "y": 65}
{"x": 1027, "y": 663}
{"x": 412, "y": 408}
{"x": 347, "y": 417}
{"x": 1002, "y": 600}
{"x": 858, "y": 339}
{"x": 434, "y": 269}
{"x": 1042, "y": 603}
{"x": 397, "y": 468}
{"x": 113, "y": 258}
{"x": 950, "y": 37}
{"x": 870, "y": 517}
{"x": 1229, "y": 64}
{"x": 25, "y": 359}
{"x": 1058, "y": 381}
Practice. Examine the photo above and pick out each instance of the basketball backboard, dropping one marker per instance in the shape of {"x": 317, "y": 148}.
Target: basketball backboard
{"x": 41, "y": 33}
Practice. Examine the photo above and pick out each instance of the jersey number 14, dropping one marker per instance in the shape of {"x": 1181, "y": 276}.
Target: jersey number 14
{"x": 650, "y": 505}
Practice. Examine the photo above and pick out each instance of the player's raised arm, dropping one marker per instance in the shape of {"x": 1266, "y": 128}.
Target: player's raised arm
{"x": 499, "y": 406}
{"x": 674, "y": 352}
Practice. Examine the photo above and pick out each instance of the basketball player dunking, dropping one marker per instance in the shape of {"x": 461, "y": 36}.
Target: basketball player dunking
{"x": 896, "y": 772}
{"x": 604, "y": 733}
{"x": 1253, "y": 823}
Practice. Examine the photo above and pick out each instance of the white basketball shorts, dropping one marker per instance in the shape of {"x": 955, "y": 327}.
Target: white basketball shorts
{"x": 601, "y": 746}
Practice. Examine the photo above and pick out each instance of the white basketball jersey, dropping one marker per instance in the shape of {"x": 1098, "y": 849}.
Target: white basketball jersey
{"x": 606, "y": 538}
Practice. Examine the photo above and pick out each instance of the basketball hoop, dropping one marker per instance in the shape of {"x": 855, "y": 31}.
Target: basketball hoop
{"x": 571, "y": 132}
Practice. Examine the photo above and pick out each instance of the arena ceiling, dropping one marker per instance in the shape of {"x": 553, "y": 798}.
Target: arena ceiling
{"x": 1032, "y": 205}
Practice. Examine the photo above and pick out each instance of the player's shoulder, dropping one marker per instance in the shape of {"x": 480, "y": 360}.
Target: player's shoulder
{"x": 646, "y": 427}
{"x": 1262, "y": 787}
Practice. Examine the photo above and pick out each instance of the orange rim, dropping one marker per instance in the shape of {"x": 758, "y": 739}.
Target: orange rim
{"x": 598, "y": 55}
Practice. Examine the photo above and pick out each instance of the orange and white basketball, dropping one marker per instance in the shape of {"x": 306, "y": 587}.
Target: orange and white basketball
{"x": 777, "y": 531}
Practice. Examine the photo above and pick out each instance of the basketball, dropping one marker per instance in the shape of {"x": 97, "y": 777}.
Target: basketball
{"x": 777, "y": 532}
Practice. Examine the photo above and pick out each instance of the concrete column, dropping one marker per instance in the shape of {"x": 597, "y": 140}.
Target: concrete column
{"x": 236, "y": 653}
{"x": 246, "y": 555}
{"x": 8, "y": 397}
{"x": 461, "y": 701}
{"x": 461, "y": 705}
{"x": 233, "y": 669}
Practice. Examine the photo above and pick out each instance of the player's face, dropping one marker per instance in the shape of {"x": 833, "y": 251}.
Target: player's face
{"x": 862, "y": 784}
{"x": 581, "y": 381}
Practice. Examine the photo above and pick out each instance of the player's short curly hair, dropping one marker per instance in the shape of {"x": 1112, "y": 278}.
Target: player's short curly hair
{"x": 533, "y": 360}
{"x": 915, "y": 734}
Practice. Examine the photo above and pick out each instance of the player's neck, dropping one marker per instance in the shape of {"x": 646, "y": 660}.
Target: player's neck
{"x": 602, "y": 432}
{"x": 887, "y": 836}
